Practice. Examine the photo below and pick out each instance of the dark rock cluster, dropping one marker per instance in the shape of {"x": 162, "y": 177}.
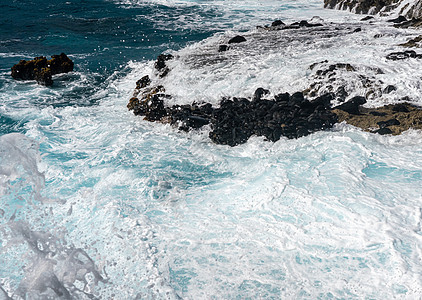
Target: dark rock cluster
{"x": 286, "y": 115}
{"x": 403, "y": 55}
{"x": 237, "y": 119}
{"x": 41, "y": 69}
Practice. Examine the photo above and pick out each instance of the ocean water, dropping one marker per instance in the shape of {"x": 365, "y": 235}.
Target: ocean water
{"x": 96, "y": 203}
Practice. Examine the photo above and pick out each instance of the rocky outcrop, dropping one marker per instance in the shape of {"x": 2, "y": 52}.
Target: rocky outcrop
{"x": 389, "y": 119}
{"x": 41, "y": 69}
{"x": 235, "y": 120}
{"x": 400, "y": 7}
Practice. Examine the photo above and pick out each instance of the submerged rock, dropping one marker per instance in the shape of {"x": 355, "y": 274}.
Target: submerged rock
{"x": 41, "y": 69}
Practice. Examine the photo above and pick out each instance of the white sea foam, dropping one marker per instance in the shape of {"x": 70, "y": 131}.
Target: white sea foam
{"x": 158, "y": 213}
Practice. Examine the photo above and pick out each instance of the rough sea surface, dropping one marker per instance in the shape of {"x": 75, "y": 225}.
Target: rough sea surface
{"x": 96, "y": 203}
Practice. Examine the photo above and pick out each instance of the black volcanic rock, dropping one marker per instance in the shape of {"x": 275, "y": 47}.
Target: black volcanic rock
{"x": 237, "y": 39}
{"x": 277, "y": 23}
{"x": 403, "y": 55}
{"x": 160, "y": 64}
{"x": 352, "y": 106}
{"x": 223, "y": 48}
{"x": 399, "y": 19}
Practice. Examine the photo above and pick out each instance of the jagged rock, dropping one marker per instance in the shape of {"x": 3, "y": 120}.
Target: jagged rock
{"x": 259, "y": 93}
{"x": 160, "y": 64}
{"x": 389, "y": 119}
{"x": 383, "y": 131}
{"x": 143, "y": 82}
{"x": 41, "y": 69}
{"x": 399, "y": 19}
{"x": 411, "y": 23}
{"x": 415, "y": 42}
{"x": 352, "y": 106}
{"x": 290, "y": 116}
{"x": 343, "y": 80}
{"x": 60, "y": 64}
{"x": 403, "y": 55}
{"x": 389, "y": 88}
{"x": 237, "y": 39}
{"x": 44, "y": 77}
{"x": 277, "y": 23}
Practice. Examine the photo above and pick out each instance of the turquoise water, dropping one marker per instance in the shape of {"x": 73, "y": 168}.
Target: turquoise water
{"x": 97, "y": 203}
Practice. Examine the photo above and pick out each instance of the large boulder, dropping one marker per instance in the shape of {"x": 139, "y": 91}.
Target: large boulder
{"x": 41, "y": 69}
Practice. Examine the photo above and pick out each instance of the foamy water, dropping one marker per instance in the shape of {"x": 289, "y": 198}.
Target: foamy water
{"x": 97, "y": 203}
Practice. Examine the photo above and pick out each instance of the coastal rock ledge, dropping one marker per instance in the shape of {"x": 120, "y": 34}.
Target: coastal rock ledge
{"x": 411, "y": 10}
{"x": 337, "y": 92}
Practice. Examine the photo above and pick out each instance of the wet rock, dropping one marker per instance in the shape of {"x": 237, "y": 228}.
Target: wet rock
{"x": 223, "y": 48}
{"x": 277, "y": 23}
{"x": 389, "y": 88}
{"x": 403, "y": 55}
{"x": 383, "y": 131}
{"x": 160, "y": 64}
{"x": 286, "y": 115}
{"x": 44, "y": 77}
{"x": 259, "y": 93}
{"x": 41, "y": 69}
{"x": 237, "y": 39}
{"x": 143, "y": 82}
{"x": 415, "y": 42}
{"x": 384, "y": 119}
{"x": 410, "y": 23}
{"x": 399, "y": 19}
{"x": 352, "y": 106}
{"x": 387, "y": 123}
{"x": 60, "y": 64}
{"x": 400, "y": 108}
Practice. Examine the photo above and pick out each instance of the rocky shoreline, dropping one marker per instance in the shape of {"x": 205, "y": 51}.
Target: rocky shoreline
{"x": 294, "y": 115}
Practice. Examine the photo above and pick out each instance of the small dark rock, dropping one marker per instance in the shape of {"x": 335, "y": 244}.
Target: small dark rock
{"x": 357, "y": 30}
{"x": 160, "y": 64}
{"x": 223, "y": 48}
{"x": 378, "y": 113}
{"x": 402, "y": 55}
{"x": 143, "y": 82}
{"x": 389, "y": 88}
{"x": 400, "y": 108}
{"x": 367, "y": 18}
{"x": 237, "y": 39}
{"x": 384, "y": 130}
{"x": 399, "y": 19}
{"x": 259, "y": 93}
{"x": 277, "y": 23}
{"x": 387, "y": 123}
{"x": 352, "y": 106}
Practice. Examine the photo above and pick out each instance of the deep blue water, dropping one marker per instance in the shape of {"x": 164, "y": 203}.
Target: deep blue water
{"x": 101, "y": 35}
